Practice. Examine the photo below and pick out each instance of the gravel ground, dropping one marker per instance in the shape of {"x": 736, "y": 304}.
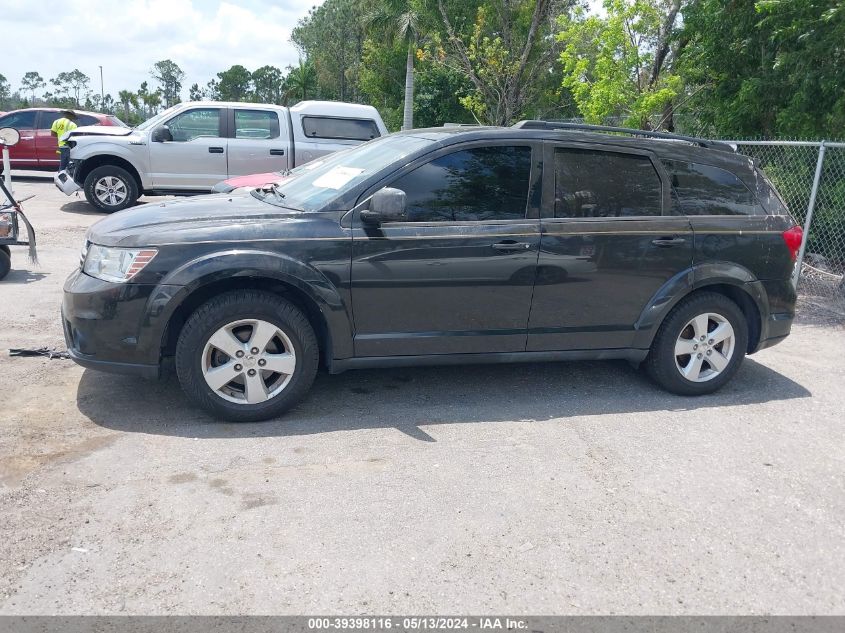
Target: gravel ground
{"x": 573, "y": 488}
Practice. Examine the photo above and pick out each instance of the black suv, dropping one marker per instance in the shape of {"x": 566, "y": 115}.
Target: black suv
{"x": 538, "y": 242}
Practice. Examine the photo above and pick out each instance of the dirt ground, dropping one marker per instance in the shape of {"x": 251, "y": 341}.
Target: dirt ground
{"x": 574, "y": 488}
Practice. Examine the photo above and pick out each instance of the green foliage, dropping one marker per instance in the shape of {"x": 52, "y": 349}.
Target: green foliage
{"x": 268, "y": 85}
{"x": 608, "y": 60}
{"x": 31, "y": 82}
{"x": 5, "y": 93}
{"x": 301, "y": 81}
{"x": 235, "y": 84}
{"x": 71, "y": 86}
{"x": 170, "y": 77}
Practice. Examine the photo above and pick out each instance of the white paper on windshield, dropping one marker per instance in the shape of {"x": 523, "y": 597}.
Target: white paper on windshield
{"x": 337, "y": 177}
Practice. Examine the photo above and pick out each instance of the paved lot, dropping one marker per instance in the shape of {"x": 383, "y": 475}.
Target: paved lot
{"x": 561, "y": 488}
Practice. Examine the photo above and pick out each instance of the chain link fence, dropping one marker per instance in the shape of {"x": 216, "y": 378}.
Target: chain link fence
{"x": 811, "y": 178}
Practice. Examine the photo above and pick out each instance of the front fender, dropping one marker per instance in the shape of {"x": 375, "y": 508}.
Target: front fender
{"x": 695, "y": 278}
{"x": 135, "y": 155}
{"x": 180, "y": 283}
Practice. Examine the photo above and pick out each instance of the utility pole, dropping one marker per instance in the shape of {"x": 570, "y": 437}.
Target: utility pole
{"x": 102, "y": 92}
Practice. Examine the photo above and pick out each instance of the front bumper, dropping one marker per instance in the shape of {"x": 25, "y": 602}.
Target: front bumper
{"x": 109, "y": 327}
{"x": 65, "y": 183}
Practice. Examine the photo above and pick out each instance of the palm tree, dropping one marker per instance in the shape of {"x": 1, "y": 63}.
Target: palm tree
{"x": 127, "y": 98}
{"x": 399, "y": 20}
{"x": 300, "y": 80}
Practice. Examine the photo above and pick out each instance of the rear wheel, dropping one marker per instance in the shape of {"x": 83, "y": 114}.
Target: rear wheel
{"x": 246, "y": 356}
{"x": 699, "y": 346}
{"x": 110, "y": 188}
{"x": 5, "y": 261}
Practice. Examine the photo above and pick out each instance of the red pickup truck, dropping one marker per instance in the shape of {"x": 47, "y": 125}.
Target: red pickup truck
{"x": 37, "y": 147}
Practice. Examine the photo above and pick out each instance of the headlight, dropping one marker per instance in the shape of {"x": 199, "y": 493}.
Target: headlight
{"x": 116, "y": 264}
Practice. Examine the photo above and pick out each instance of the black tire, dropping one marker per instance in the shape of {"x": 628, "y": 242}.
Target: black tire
{"x": 661, "y": 363}
{"x": 229, "y": 308}
{"x": 5, "y": 262}
{"x": 127, "y": 183}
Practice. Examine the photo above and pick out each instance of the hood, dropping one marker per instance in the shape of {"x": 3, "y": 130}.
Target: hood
{"x": 198, "y": 219}
{"x": 100, "y": 130}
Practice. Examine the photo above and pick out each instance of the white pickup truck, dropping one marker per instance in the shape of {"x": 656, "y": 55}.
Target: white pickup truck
{"x": 192, "y": 146}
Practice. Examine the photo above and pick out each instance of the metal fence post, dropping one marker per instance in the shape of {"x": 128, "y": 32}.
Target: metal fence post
{"x": 809, "y": 219}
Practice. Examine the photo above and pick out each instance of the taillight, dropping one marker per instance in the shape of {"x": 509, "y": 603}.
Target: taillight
{"x": 793, "y": 238}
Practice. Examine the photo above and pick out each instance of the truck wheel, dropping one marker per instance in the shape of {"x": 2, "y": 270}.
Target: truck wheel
{"x": 5, "y": 262}
{"x": 246, "y": 356}
{"x": 699, "y": 346}
{"x": 110, "y": 188}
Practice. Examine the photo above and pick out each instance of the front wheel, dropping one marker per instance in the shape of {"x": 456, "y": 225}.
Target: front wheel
{"x": 246, "y": 356}
{"x": 110, "y": 188}
{"x": 699, "y": 346}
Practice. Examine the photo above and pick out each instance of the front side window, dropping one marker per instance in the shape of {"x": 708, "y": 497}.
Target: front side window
{"x": 19, "y": 120}
{"x": 202, "y": 122}
{"x": 601, "y": 184}
{"x": 484, "y": 183}
{"x": 705, "y": 190}
{"x": 337, "y": 128}
{"x": 47, "y": 119}
{"x": 258, "y": 124}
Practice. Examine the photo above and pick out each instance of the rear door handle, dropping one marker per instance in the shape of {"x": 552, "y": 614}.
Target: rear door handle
{"x": 510, "y": 245}
{"x": 215, "y": 150}
{"x": 277, "y": 152}
{"x": 666, "y": 242}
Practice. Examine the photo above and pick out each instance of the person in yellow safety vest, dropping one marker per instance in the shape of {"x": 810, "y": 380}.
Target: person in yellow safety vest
{"x": 60, "y": 126}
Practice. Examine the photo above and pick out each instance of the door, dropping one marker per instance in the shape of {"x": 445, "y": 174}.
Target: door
{"x": 195, "y": 158}
{"x": 23, "y": 155}
{"x": 608, "y": 244}
{"x": 456, "y": 277}
{"x": 258, "y": 143}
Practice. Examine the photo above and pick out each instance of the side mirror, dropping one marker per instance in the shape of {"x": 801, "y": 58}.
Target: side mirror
{"x": 386, "y": 205}
{"x": 161, "y": 134}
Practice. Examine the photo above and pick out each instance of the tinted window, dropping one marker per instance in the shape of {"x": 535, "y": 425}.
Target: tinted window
{"x": 19, "y": 120}
{"x": 485, "y": 183}
{"x": 115, "y": 121}
{"x": 597, "y": 184}
{"x": 195, "y": 124}
{"x": 45, "y": 121}
{"x": 256, "y": 124}
{"x": 86, "y": 119}
{"x": 705, "y": 190}
{"x": 348, "y": 129}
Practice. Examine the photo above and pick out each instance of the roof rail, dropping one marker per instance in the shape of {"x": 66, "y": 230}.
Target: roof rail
{"x": 561, "y": 125}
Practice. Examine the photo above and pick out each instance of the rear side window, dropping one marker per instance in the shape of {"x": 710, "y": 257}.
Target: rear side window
{"x": 769, "y": 196}
{"x": 19, "y": 120}
{"x": 333, "y": 127}
{"x": 85, "y": 119}
{"x": 599, "y": 184}
{"x": 258, "y": 124}
{"x": 484, "y": 183}
{"x": 705, "y": 190}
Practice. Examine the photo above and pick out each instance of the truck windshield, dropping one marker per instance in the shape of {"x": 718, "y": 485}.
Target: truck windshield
{"x": 320, "y": 181}
{"x": 161, "y": 116}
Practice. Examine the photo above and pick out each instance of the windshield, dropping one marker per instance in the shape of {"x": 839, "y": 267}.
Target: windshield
{"x": 161, "y": 116}
{"x": 320, "y": 181}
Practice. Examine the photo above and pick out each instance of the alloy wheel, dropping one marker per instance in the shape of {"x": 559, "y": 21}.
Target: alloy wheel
{"x": 705, "y": 347}
{"x": 110, "y": 190}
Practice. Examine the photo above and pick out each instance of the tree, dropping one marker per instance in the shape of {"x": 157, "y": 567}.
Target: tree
{"x": 195, "y": 93}
{"x": 235, "y": 84}
{"x": 766, "y": 68}
{"x": 127, "y": 99}
{"x": 5, "y": 92}
{"x": 332, "y": 38}
{"x": 617, "y": 66}
{"x": 401, "y": 20}
{"x": 301, "y": 80}
{"x": 73, "y": 83}
{"x": 499, "y": 55}
{"x": 31, "y": 82}
{"x": 170, "y": 77}
{"x": 268, "y": 84}
{"x": 212, "y": 90}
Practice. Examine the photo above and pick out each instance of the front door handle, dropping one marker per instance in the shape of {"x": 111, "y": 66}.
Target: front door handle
{"x": 510, "y": 245}
{"x": 666, "y": 242}
{"x": 215, "y": 150}
{"x": 277, "y": 152}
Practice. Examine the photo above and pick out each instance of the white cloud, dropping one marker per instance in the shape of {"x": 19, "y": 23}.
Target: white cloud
{"x": 127, "y": 37}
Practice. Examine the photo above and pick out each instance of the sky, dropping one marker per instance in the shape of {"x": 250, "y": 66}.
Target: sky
{"x": 127, "y": 37}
